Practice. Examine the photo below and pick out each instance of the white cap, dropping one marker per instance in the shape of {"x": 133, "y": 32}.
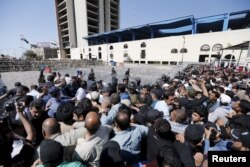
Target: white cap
{"x": 94, "y": 95}
{"x": 225, "y": 99}
{"x": 127, "y": 102}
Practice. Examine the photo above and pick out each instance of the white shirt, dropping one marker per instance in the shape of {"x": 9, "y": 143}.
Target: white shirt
{"x": 33, "y": 93}
{"x": 80, "y": 94}
{"x": 162, "y": 106}
{"x": 68, "y": 80}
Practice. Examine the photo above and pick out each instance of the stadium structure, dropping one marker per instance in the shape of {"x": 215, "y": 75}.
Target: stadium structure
{"x": 222, "y": 38}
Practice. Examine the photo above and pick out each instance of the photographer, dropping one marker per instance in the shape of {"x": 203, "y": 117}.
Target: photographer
{"x": 18, "y": 147}
{"x": 212, "y": 135}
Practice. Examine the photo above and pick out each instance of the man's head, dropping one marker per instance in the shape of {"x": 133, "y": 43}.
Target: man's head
{"x": 50, "y": 127}
{"x": 92, "y": 122}
{"x": 168, "y": 97}
{"x": 199, "y": 113}
{"x": 163, "y": 129}
{"x": 168, "y": 157}
{"x": 178, "y": 115}
{"x": 194, "y": 134}
{"x": 22, "y": 90}
{"x": 51, "y": 153}
{"x": 36, "y": 108}
{"x": 115, "y": 99}
{"x": 225, "y": 100}
{"x": 106, "y": 102}
{"x": 241, "y": 140}
{"x": 82, "y": 109}
{"x": 122, "y": 119}
{"x": 242, "y": 107}
{"x": 64, "y": 113}
{"x": 156, "y": 93}
{"x": 83, "y": 84}
{"x": 213, "y": 95}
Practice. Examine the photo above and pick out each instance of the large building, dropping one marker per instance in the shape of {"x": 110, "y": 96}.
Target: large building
{"x": 78, "y": 18}
{"x": 185, "y": 39}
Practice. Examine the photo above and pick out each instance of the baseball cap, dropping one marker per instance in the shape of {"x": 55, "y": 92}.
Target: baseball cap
{"x": 105, "y": 89}
{"x": 225, "y": 99}
{"x": 110, "y": 155}
{"x": 245, "y": 139}
{"x": 127, "y": 102}
{"x": 51, "y": 152}
{"x": 17, "y": 84}
{"x": 194, "y": 133}
{"x": 94, "y": 95}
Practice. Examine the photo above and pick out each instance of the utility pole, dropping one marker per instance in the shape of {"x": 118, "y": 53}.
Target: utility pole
{"x": 183, "y": 49}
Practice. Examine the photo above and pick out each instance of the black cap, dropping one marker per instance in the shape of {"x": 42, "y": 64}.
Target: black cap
{"x": 194, "y": 133}
{"x": 51, "y": 152}
{"x": 153, "y": 114}
{"x": 17, "y": 84}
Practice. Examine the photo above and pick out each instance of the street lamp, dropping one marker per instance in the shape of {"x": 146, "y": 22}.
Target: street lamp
{"x": 220, "y": 51}
{"x": 183, "y": 49}
{"x": 107, "y": 53}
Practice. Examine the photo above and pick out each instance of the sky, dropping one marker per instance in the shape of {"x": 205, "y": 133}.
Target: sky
{"x": 36, "y": 19}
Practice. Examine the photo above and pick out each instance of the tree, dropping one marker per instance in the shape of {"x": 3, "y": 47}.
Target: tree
{"x": 30, "y": 55}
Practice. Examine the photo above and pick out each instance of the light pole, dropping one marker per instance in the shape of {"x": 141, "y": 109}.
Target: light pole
{"x": 183, "y": 49}
{"x": 107, "y": 53}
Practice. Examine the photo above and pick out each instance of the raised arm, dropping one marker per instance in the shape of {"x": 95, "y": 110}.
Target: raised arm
{"x": 31, "y": 133}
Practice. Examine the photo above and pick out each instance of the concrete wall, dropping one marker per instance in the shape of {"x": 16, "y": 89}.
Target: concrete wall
{"x": 71, "y": 23}
{"x": 81, "y": 22}
{"x": 159, "y": 49}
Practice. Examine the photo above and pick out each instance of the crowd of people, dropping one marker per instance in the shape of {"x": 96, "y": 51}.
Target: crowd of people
{"x": 81, "y": 121}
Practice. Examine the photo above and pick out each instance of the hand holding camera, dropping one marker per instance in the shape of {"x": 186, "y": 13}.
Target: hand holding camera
{"x": 19, "y": 107}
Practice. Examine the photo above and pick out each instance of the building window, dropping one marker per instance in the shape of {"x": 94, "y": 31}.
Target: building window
{"x": 143, "y": 54}
{"x": 143, "y": 45}
{"x": 205, "y": 47}
{"x": 174, "y": 50}
{"x": 111, "y": 56}
{"x": 111, "y": 47}
{"x": 217, "y": 47}
{"x": 99, "y": 48}
{"x": 89, "y": 49}
{"x": 183, "y": 50}
{"x": 100, "y": 55}
{"x": 125, "y": 46}
{"x": 81, "y": 56}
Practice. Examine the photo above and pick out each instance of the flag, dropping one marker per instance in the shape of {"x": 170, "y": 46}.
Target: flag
{"x": 53, "y": 43}
{"x": 24, "y": 39}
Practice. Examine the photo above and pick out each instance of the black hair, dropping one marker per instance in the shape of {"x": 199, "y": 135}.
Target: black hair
{"x": 83, "y": 107}
{"x": 39, "y": 104}
{"x": 64, "y": 113}
{"x": 244, "y": 106}
{"x": 83, "y": 84}
{"x": 121, "y": 87}
{"x": 27, "y": 99}
{"x": 163, "y": 129}
{"x": 167, "y": 94}
{"x": 168, "y": 156}
{"x": 221, "y": 89}
{"x": 229, "y": 93}
{"x": 201, "y": 111}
